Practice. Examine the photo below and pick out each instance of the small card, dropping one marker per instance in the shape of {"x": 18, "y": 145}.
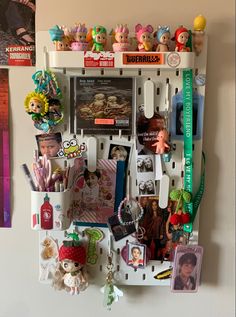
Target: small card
{"x": 186, "y": 268}
{"x": 120, "y": 231}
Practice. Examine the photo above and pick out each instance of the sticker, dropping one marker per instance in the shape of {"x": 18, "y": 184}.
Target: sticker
{"x": 173, "y": 59}
{"x": 99, "y": 59}
{"x": 163, "y": 275}
{"x": 143, "y": 59}
{"x": 95, "y": 235}
{"x": 49, "y": 249}
{"x": 200, "y": 79}
{"x": 71, "y": 149}
{"x": 134, "y": 254}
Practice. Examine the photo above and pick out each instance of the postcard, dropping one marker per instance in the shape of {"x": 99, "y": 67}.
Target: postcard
{"x": 103, "y": 105}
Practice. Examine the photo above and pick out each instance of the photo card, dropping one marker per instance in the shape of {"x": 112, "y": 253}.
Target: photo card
{"x": 136, "y": 255}
{"x": 120, "y": 151}
{"x": 177, "y": 116}
{"x": 49, "y": 144}
{"x": 186, "y": 268}
{"x": 103, "y": 105}
{"x": 118, "y": 230}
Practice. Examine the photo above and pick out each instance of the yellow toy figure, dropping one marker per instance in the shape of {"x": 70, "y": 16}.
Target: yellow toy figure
{"x": 36, "y": 104}
{"x": 199, "y": 25}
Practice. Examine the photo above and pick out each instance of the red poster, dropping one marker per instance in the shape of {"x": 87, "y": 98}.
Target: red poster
{"x": 17, "y": 32}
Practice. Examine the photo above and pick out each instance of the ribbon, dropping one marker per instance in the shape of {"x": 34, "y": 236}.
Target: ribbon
{"x": 188, "y": 139}
{"x": 191, "y": 207}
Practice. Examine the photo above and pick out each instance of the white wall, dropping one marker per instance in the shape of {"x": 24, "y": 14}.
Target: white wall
{"x": 20, "y": 293}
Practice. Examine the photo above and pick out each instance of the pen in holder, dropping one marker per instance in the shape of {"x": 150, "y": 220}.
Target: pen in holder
{"x": 51, "y": 210}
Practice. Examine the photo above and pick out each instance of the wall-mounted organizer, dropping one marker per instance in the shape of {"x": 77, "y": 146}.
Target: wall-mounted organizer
{"x": 157, "y": 83}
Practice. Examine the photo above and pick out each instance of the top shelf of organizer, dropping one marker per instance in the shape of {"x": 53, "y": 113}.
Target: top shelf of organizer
{"x": 108, "y": 60}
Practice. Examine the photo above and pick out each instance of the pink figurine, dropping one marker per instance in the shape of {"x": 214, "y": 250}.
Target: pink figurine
{"x": 181, "y": 38}
{"x": 121, "y": 36}
{"x": 143, "y": 35}
{"x": 161, "y": 144}
{"x": 80, "y": 34}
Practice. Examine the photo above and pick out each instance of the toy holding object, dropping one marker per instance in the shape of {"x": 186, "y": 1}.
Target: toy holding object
{"x": 143, "y": 35}
{"x": 121, "y": 36}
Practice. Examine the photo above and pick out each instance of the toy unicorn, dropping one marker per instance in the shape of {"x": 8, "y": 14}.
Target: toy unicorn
{"x": 143, "y": 35}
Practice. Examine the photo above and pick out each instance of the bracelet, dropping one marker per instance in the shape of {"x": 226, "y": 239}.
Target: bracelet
{"x": 127, "y": 223}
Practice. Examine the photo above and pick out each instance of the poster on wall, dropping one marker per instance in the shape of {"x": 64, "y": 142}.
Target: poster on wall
{"x": 17, "y": 32}
{"x": 5, "y": 217}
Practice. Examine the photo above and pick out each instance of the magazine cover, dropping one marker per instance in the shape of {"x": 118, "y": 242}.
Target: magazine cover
{"x": 5, "y": 214}
{"x": 17, "y": 32}
{"x": 104, "y": 105}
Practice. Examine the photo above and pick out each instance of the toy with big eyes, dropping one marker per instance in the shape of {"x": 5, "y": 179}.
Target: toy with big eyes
{"x": 36, "y": 105}
{"x": 181, "y": 38}
{"x": 99, "y": 35}
{"x": 121, "y": 37}
{"x": 163, "y": 39}
{"x": 143, "y": 35}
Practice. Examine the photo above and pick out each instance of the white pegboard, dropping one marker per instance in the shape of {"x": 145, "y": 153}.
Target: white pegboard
{"x": 159, "y": 75}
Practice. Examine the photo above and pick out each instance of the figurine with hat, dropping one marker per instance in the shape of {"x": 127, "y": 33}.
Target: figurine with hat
{"x": 70, "y": 273}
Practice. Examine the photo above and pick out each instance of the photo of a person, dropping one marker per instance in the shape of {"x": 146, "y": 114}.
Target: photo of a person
{"x": 120, "y": 231}
{"x": 150, "y": 187}
{"x": 49, "y": 144}
{"x": 140, "y": 165}
{"x": 90, "y": 192}
{"x": 180, "y": 119}
{"x": 142, "y": 188}
{"x": 136, "y": 255}
{"x": 119, "y": 152}
{"x": 148, "y": 164}
{"x": 184, "y": 280}
{"x": 154, "y": 225}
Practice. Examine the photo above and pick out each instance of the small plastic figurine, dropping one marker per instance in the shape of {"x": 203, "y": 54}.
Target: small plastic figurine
{"x": 56, "y": 33}
{"x": 199, "y": 25}
{"x": 80, "y": 35}
{"x": 143, "y": 35}
{"x": 36, "y": 104}
{"x": 181, "y": 38}
{"x": 99, "y": 35}
{"x": 161, "y": 145}
{"x": 121, "y": 36}
{"x": 63, "y": 45}
{"x": 70, "y": 273}
{"x": 163, "y": 38}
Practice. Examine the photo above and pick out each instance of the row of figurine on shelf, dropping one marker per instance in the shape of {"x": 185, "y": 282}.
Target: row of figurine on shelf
{"x": 79, "y": 38}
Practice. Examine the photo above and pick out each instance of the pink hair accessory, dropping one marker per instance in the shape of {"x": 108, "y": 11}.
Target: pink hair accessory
{"x": 120, "y": 28}
{"x": 139, "y": 29}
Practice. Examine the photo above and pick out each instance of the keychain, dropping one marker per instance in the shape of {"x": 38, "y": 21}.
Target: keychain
{"x": 110, "y": 291}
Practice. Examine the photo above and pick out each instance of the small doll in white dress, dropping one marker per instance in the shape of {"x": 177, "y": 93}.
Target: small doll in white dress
{"x": 70, "y": 273}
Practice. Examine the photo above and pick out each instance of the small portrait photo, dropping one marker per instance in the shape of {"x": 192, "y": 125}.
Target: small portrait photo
{"x": 119, "y": 152}
{"x": 136, "y": 255}
{"x": 118, "y": 230}
{"x": 146, "y": 187}
{"x": 145, "y": 163}
{"x": 187, "y": 268}
{"x": 49, "y": 144}
{"x": 177, "y": 116}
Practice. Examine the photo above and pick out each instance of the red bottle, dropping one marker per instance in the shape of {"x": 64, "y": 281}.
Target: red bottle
{"x": 46, "y": 214}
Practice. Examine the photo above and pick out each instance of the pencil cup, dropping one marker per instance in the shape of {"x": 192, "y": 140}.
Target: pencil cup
{"x": 51, "y": 210}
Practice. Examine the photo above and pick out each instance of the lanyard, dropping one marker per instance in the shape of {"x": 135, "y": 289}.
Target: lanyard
{"x": 188, "y": 139}
{"x": 191, "y": 207}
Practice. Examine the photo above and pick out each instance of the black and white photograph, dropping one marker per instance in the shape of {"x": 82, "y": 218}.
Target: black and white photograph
{"x": 145, "y": 163}
{"x": 146, "y": 187}
{"x": 118, "y": 230}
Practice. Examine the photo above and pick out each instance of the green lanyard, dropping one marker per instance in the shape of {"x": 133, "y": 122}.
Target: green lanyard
{"x": 188, "y": 139}
{"x": 188, "y": 149}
